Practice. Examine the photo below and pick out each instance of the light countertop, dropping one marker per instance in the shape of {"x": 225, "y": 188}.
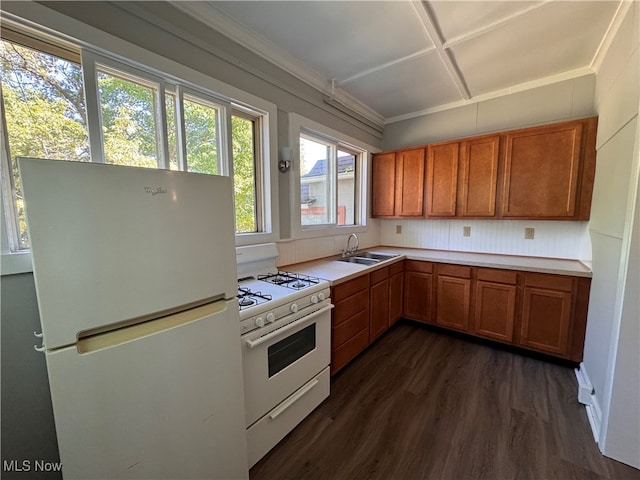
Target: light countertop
{"x": 337, "y": 272}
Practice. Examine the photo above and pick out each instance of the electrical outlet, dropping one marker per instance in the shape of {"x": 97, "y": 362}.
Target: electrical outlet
{"x": 398, "y": 229}
{"x": 466, "y": 231}
{"x": 529, "y": 233}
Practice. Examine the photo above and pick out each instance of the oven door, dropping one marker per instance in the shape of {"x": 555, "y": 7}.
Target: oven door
{"x": 278, "y": 359}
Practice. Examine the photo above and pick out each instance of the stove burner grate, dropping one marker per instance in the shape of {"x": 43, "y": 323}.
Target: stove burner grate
{"x": 248, "y": 298}
{"x": 295, "y": 281}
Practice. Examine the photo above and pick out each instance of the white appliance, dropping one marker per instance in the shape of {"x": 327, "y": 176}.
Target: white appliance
{"x": 136, "y": 283}
{"x": 285, "y": 321}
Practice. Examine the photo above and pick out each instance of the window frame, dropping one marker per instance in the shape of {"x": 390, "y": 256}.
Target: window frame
{"x": 36, "y": 22}
{"x": 301, "y": 126}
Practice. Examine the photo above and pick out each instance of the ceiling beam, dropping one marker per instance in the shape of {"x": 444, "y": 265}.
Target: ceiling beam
{"x": 428, "y": 21}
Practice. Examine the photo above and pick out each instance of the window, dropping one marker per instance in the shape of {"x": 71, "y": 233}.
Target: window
{"x": 71, "y": 104}
{"x": 329, "y": 182}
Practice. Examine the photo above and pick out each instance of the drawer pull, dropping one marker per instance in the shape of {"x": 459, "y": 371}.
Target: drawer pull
{"x": 276, "y": 412}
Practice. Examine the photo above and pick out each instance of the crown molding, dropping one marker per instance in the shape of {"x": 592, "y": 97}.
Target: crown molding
{"x": 206, "y": 12}
{"x": 623, "y": 8}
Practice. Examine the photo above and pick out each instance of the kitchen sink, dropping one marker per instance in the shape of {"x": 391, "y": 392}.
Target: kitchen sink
{"x": 367, "y": 258}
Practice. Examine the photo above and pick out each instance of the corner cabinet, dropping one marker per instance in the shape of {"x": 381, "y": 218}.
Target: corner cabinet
{"x": 543, "y": 173}
{"x": 398, "y": 183}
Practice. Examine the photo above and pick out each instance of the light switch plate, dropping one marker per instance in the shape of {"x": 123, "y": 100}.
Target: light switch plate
{"x": 398, "y": 229}
{"x": 466, "y": 231}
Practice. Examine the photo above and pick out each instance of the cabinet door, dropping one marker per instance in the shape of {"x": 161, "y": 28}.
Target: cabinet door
{"x": 541, "y": 171}
{"x": 396, "y": 287}
{"x": 478, "y": 177}
{"x": 379, "y": 309}
{"x": 494, "y": 312}
{"x": 546, "y": 318}
{"x": 410, "y": 183}
{"x": 383, "y": 185}
{"x": 453, "y": 302}
{"x": 418, "y": 288}
{"x": 442, "y": 180}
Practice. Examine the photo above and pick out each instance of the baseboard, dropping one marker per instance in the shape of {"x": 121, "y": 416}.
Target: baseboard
{"x": 587, "y": 397}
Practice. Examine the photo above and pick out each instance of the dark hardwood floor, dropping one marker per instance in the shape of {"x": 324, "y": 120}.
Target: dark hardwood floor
{"x": 420, "y": 404}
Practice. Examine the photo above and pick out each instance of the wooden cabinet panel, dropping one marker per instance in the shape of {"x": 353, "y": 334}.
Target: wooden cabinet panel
{"x": 379, "y": 309}
{"x": 541, "y": 171}
{"x": 418, "y": 266}
{"x": 441, "y": 189}
{"x": 410, "y": 183}
{"x": 347, "y": 308}
{"x": 453, "y": 302}
{"x": 495, "y": 308}
{"x": 383, "y": 184}
{"x": 497, "y": 276}
{"x": 418, "y": 294}
{"x": 350, "y": 327}
{"x": 347, "y": 289}
{"x": 349, "y": 321}
{"x": 449, "y": 270}
{"x": 546, "y": 319}
{"x": 349, "y": 350}
{"x": 396, "y": 297}
{"x": 379, "y": 275}
{"x": 478, "y": 177}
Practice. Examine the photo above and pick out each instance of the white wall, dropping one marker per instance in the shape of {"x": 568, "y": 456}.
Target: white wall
{"x": 612, "y": 358}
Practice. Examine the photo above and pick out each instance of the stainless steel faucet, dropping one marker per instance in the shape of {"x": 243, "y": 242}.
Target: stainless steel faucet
{"x": 351, "y": 250}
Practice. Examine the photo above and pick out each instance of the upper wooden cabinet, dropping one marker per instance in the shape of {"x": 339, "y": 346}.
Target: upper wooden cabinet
{"x": 548, "y": 171}
{"x": 543, "y": 173}
{"x": 478, "y": 178}
{"x": 442, "y": 179}
{"x": 398, "y": 183}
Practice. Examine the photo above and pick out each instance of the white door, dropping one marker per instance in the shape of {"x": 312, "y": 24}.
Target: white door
{"x": 161, "y": 400}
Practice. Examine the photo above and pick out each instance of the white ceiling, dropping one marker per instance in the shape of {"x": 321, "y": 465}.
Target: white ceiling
{"x": 396, "y": 59}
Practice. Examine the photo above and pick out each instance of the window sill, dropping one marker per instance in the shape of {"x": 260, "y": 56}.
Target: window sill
{"x": 15, "y": 263}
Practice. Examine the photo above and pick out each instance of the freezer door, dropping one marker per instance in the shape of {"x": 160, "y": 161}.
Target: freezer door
{"x": 112, "y": 243}
{"x": 161, "y": 401}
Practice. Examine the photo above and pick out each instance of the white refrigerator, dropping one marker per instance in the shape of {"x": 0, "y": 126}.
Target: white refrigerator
{"x": 135, "y": 274}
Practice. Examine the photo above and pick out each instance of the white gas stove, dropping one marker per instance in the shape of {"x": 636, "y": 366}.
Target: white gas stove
{"x": 285, "y": 325}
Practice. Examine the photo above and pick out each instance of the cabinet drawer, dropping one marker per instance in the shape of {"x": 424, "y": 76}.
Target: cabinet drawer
{"x": 418, "y": 266}
{"x": 350, "y": 327}
{"x": 553, "y": 282}
{"x": 396, "y": 268}
{"x": 348, "y": 351}
{"x": 347, "y": 289}
{"x": 459, "y": 271}
{"x": 379, "y": 275}
{"x": 350, "y": 306}
{"x": 498, "y": 276}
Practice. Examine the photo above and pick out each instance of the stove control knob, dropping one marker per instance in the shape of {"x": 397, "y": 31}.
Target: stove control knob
{"x": 321, "y": 296}
{"x": 314, "y": 299}
{"x": 271, "y": 317}
{"x": 259, "y": 321}
{"x": 294, "y": 307}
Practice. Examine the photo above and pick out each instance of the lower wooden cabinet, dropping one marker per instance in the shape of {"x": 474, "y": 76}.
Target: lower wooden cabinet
{"x": 543, "y": 312}
{"x": 396, "y": 291}
{"x": 418, "y": 291}
{"x": 495, "y": 304}
{"x": 453, "y": 299}
{"x": 379, "y": 303}
{"x": 546, "y": 313}
{"x": 349, "y": 321}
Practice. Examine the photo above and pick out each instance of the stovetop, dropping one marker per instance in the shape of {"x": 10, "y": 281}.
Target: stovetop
{"x": 270, "y": 290}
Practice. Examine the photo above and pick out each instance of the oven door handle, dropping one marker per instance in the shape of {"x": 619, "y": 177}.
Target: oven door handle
{"x": 281, "y": 330}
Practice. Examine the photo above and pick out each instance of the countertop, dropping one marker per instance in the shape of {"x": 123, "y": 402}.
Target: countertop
{"x": 338, "y": 272}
